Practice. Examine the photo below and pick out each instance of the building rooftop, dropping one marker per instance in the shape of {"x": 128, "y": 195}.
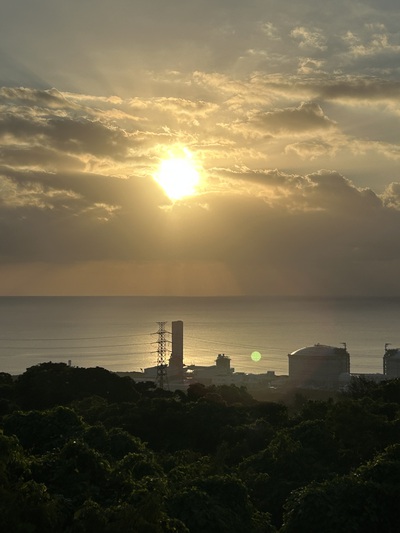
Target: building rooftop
{"x": 318, "y": 350}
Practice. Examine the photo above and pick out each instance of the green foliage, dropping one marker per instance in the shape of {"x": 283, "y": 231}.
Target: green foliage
{"x": 28, "y": 506}
{"x": 365, "y": 500}
{"x": 95, "y": 454}
{"x": 241, "y": 441}
{"x": 274, "y": 413}
{"x": 49, "y": 384}
{"x": 14, "y": 465}
{"x": 315, "y": 410}
{"x": 41, "y": 431}
{"x": 390, "y": 391}
{"x": 144, "y": 517}
{"x": 6, "y": 386}
{"x": 114, "y": 443}
{"x": 361, "y": 387}
{"x": 196, "y": 391}
{"x": 90, "y": 516}
{"x": 139, "y": 466}
{"x": 229, "y": 394}
{"x": 217, "y": 504}
{"x": 5, "y": 379}
{"x": 7, "y": 394}
{"x": 91, "y": 408}
{"x": 25, "y": 505}
{"x": 359, "y": 430}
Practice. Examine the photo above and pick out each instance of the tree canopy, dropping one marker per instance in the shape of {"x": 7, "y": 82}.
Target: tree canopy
{"x": 85, "y": 450}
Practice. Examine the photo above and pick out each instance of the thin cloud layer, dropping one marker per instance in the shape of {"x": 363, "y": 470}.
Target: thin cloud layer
{"x": 290, "y": 111}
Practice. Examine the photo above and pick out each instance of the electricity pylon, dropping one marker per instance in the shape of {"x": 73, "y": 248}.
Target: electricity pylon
{"x": 162, "y": 378}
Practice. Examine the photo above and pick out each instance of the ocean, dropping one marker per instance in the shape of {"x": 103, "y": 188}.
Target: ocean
{"x": 120, "y": 333}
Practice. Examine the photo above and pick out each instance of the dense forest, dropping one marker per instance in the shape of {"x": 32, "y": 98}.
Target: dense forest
{"x": 84, "y": 450}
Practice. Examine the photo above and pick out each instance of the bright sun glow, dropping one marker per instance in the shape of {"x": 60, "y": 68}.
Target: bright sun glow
{"x": 178, "y": 176}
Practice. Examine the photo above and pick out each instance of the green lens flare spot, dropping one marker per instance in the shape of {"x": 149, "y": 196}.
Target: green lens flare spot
{"x": 255, "y": 356}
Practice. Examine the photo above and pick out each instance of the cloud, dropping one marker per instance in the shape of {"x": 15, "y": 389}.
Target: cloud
{"x": 270, "y": 30}
{"x": 38, "y": 157}
{"x": 308, "y": 116}
{"x": 31, "y": 194}
{"x": 81, "y": 136}
{"x": 360, "y": 90}
{"x": 374, "y": 40}
{"x": 50, "y": 98}
{"x": 391, "y": 196}
{"x": 308, "y": 65}
{"x": 64, "y": 218}
{"x": 313, "y": 233}
{"x": 311, "y": 149}
{"x": 388, "y": 150}
{"x": 309, "y": 38}
{"x": 291, "y": 109}
{"x": 76, "y": 190}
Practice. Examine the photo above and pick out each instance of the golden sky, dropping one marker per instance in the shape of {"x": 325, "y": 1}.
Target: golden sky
{"x": 285, "y": 115}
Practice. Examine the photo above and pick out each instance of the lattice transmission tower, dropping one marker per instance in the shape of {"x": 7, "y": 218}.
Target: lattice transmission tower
{"x": 162, "y": 377}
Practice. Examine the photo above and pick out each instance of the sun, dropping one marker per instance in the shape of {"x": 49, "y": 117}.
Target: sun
{"x": 178, "y": 176}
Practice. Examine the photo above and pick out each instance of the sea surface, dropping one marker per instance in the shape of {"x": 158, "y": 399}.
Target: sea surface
{"x": 120, "y": 333}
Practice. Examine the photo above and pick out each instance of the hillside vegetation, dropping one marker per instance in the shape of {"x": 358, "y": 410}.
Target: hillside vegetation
{"x": 84, "y": 450}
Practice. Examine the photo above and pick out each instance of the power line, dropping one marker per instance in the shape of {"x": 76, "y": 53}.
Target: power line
{"x": 238, "y": 345}
{"x": 74, "y": 338}
{"x": 102, "y": 355}
{"x": 71, "y": 347}
{"x": 92, "y": 347}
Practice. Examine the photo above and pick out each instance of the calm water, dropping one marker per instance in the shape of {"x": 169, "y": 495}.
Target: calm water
{"x": 119, "y": 333}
